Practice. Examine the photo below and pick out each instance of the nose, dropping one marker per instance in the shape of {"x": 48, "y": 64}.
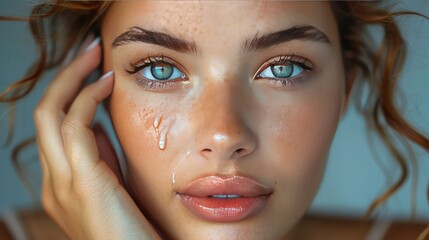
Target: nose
{"x": 223, "y": 129}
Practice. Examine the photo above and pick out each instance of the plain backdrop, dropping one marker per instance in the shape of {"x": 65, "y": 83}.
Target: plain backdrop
{"x": 354, "y": 176}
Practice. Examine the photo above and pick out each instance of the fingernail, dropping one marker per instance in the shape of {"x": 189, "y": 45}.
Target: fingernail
{"x": 94, "y": 43}
{"x": 106, "y": 75}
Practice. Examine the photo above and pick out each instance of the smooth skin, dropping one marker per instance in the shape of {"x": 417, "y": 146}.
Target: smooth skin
{"x": 222, "y": 121}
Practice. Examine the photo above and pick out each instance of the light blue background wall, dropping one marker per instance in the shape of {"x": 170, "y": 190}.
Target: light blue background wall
{"x": 353, "y": 178}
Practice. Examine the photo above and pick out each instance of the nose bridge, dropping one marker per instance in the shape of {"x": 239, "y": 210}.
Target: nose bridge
{"x": 222, "y": 130}
{"x": 223, "y": 115}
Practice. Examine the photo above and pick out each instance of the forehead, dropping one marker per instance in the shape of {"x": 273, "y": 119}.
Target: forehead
{"x": 218, "y": 20}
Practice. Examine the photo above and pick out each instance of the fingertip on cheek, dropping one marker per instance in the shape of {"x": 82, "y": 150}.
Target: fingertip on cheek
{"x": 92, "y": 45}
{"x": 106, "y": 75}
{"x": 107, "y": 81}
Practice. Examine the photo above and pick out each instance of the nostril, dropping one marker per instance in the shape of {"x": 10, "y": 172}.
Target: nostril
{"x": 239, "y": 151}
{"x": 227, "y": 150}
{"x": 206, "y": 152}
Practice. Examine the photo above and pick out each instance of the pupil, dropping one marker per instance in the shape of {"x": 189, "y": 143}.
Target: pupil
{"x": 161, "y": 71}
{"x": 282, "y": 71}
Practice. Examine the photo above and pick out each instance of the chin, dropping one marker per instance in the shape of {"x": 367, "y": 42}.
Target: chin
{"x": 236, "y": 231}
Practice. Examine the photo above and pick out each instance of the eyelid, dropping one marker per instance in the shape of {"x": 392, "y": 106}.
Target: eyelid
{"x": 154, "y": 59}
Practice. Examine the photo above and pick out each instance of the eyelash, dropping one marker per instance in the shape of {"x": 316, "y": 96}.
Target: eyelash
{"x": 293, "y": 59}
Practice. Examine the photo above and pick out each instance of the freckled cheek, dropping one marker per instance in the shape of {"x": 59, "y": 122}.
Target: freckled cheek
{"x": 302, "y": 135}
{"x": 133, "y": 117}
{"x": 131, "y": 121}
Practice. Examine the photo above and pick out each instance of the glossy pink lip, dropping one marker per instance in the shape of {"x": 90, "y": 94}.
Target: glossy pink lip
{"x": 205, "y": 197}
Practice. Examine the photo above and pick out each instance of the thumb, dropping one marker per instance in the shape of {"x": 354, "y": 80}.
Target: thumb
{"x": 106, "y": 151}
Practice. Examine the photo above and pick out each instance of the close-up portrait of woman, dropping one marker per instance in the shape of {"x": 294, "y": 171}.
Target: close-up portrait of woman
{"x": 215, "y": 120}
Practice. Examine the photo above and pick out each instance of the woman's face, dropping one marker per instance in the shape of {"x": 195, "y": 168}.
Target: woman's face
{"x": 225, "y": 111}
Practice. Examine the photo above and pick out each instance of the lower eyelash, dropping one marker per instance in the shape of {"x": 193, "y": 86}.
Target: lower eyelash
{"x": 149, "y": 84}
{"x": 154, "y": 84}
{"x": 290, "y": 82}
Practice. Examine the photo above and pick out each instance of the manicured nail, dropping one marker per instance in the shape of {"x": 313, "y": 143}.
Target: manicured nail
{"x": 94, "y": 43}
{"x": 106, "y": 75}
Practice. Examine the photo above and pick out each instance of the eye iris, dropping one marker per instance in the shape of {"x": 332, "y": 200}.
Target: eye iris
{"x": 162, "y": 71}
{"x": 282, "y": 71}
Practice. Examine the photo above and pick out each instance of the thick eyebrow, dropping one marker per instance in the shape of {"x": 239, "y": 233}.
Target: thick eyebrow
{"x": 297, "y": 32}
{"x": 138, "y": 34}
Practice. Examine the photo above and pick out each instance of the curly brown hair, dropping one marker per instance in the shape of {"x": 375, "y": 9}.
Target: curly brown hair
{"x": 378, "y": 68}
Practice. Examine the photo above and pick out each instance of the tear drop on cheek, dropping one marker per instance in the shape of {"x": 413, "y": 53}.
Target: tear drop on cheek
{"x": 173, "y": 178}
{"x": 173, "y": 173}
{"x": 162, "y": 141}
{"x": 156, "y": 123}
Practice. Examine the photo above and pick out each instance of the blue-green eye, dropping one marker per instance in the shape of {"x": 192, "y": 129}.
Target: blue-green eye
{"x": 161, "y": 71}
{"x": 284, "y": 70}
{"x": 157, "y": 72}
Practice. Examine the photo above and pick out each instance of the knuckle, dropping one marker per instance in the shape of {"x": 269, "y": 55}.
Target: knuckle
{"x": 69, "y": 128}
{"x": 40, "y": 112}
{"x": 94, "y": 186}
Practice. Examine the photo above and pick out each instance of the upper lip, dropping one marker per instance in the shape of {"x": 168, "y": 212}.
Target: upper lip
{"x": 217, "y": 185}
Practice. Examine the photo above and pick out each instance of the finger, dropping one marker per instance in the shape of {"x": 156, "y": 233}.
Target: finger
{"x": 73, "y": 54}
{"x": 53, "y": 193}
{"x": 106, "y": 151}
{"x": 88, "y": 43}
{"x": 49, "y": 114}
{"x": 47, "y": 188}
{"x": 79, "y": 140}
{"x": 48, "y": 197}
{"x": 67, "y": 84}
{"x": 50, "y": 144}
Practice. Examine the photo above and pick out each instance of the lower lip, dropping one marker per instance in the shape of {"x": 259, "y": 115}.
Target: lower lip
{"x": 223, "y": 210}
